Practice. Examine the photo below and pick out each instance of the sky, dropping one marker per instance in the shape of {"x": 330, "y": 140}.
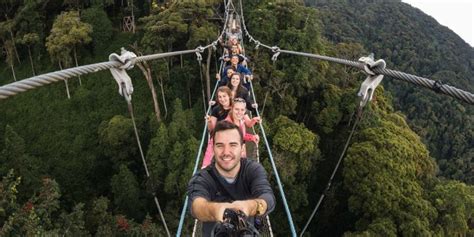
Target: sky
{"x": 457, "y": 15}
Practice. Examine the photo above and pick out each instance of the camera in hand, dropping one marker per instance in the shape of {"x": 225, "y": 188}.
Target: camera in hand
{"x": 235, "y": 224}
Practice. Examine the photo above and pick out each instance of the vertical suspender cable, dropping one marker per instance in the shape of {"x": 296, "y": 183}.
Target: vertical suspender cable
{"x": 183, "y": 212}
{"x": 328, "y": 186}
{"x": 277, "y": 176}
{"x": 130, "y": 110}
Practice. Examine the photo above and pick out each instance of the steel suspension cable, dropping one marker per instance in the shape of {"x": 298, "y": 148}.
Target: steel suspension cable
{"x": 275, "y": 171}
{"x": 157, "y": 203}
{"x": 48, "y": 78}
{"x": 436, "y": 86}
{"x": 198, "y": 156}
{"x": 280, "y": 186}
{"x": 328, "y": 186}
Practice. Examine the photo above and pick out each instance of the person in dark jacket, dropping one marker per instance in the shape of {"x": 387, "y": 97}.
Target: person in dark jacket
{"x": 230, "y": 182}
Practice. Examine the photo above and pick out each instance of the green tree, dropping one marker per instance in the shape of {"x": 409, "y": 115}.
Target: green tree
{"x": 29, "y": 25}
{"x": 67, "y": 33}
{"x": 163, "y": 29}
{"x": 30, "y": 40}
{"x": 14, "y": 156}
{"x": 9, "y": 56}
{"x": 385, "y": 173}
{"x": 126, "y": 192}
{"x": 295, "y": 150}
{"x": 118, "y": 140}
{"x": 454, "y": 202}
{"x": 101, "y": 26}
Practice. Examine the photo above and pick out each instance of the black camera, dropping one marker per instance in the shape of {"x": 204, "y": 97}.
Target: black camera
{"x": 235, "y": 224}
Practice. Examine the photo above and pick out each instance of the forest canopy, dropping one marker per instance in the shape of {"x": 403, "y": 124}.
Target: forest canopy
{"x": 70, "y": 160}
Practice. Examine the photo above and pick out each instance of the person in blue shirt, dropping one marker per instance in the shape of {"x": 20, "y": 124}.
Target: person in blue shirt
{"x": 239, "y": 69}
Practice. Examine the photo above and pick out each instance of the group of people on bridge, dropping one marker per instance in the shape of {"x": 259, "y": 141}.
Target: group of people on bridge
{"x": 227, "y": 179}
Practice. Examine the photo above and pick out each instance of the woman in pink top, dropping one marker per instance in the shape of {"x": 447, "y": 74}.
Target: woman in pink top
{"x": 238, "y": 117}
{"x": 218, "y": 113}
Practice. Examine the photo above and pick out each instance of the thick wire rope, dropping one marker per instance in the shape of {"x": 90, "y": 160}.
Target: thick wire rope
{"x": 198, "y": 156}
{"x": 436, "y": 86}
{"x": 157, "y": 203}
{"x": 275, "y": 171}
{"x": 328, "y": 186}
{"x": 267, "y": 218}
{"x": 48, "y": 78}
{"x": 277, "y": 176}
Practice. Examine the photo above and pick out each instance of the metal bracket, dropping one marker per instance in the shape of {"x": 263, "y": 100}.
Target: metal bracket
{"x": 198, "y": 53}
{"x": 214, "y": 45}
{"x": 276, "y": 50}
{"x": 257, "y": 44}
{"x": 370, "y": 64}
{"x": 127, "y": 59}
{"x": 366, "y": 91}
{"x": 367, "y": 88}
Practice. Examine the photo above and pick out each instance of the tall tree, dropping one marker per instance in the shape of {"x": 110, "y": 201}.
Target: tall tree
{"x": 30, "y": 40}
{"x": 9, "y": 56}
{"x": 68, "y": 33}
{"x": 6, "y": 28}
{"x": 126, "y": 192}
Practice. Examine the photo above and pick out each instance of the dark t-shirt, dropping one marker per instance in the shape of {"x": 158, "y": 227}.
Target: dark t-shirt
{"x": 220, "y": 115}
{"x": 251, "y": 183}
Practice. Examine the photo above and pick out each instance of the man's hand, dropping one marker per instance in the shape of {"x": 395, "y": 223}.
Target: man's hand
{"x": 248, "y": 207}
{"x": 219, "y": 213}
{"x": 204, "y": 210}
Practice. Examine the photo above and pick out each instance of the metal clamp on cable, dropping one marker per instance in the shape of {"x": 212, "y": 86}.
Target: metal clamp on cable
{"x": 198, "y": 53}
{"x": 367, "y": 89}
{"x": 214, "y": 45}
{"x": 257, "y": 44}
{"x": 276, "y": 50}
{"x": 124, "y": 81}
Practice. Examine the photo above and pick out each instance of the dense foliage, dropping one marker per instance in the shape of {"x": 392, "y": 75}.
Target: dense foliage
{"x": 415, "y": 43}
{"x": 73, "y": 167}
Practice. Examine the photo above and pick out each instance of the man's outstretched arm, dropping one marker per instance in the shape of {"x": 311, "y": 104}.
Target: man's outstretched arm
{"x": 204, "y": 210}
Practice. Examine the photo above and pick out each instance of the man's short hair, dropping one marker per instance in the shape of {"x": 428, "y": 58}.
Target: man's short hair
{"x": 226, "y": 125}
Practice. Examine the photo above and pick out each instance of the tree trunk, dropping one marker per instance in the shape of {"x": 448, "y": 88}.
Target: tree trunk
{"x": 77, "y": 65}
{"x": 13, "y": 72}
{"x": 145, "y": 68}
{"x": 31, "y": 61}
{"x": 160, "y": 82}
{"x": 65, "y": 82}
{"x": 10, "y": 61}
{"x": 208, "y": 74}
{"x": 13, "y": 43}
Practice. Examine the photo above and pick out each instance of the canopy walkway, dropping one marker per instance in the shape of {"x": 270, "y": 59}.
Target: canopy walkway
{"x": 118, "y": 64}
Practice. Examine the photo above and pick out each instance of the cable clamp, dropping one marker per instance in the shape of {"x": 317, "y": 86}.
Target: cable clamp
{"x": 214, "y": 44}
{"x": 198, "y": 53}
{"x": 257, "y": 44}
{"x": 370, "y": 64}
{"x": 127, "y": 59}
{"x": 367, "y": 88}
{"x": 276, "y": 51}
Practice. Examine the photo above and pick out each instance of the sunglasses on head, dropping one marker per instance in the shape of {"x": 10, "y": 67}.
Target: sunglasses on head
{"x": 239, "y": 100}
